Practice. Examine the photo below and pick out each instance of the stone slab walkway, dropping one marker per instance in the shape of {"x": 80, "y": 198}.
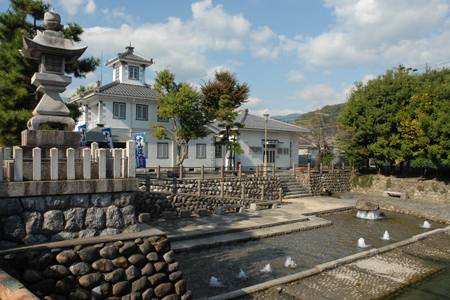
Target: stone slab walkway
{"x": 213, "y": 230}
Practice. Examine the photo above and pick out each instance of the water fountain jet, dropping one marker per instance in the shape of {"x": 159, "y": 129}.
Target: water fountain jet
{"x": 290, "y": 263}
{"x": 386, "y": 236}
{"x": 267, "y": 269}
{"x": 242, "y": 275}
{"x": 368, "y": 209}
{"x": 426, "y": 224}
{"x": 362, "y": 243}
{"x": 214, "y": 282}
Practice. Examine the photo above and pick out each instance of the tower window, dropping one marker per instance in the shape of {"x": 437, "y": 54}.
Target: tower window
{"x": 133, "y": 73}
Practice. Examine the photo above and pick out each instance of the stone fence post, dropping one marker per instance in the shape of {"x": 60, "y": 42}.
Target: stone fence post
{"x": 37, "y": 161}
{"x": 18, "y": 163}
{"x": 70, "y": 154}
{"x": 202, "y": 172}
{"x": 242, "y": 190}
{"x": 273, "y": 170}
{"x": 102, "y": 163}
{"x": 199, "y": 189}
{"x": 94, "y": 147}
{"x": 262, "y": 193}
{"x": 131, "y": 158}
{"x": 158, "y": 171}
{"x": 117, "y": 157}
{"x": 309, "y": 170}
{"x": 54, "y": 162}
{"x": 293, "y": 169}
{"x": 86, "y": 164}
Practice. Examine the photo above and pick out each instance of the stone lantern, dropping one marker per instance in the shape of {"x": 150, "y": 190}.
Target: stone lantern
{"x": 54, "y": 52}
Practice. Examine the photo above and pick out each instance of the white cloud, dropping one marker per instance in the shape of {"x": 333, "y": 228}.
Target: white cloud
{"x": 319, "y": 95}
{"x": 253, "y": 102}
{"x": 295, "y": 76}
{"x": 262, "y": 35}
{"x": 90, "y": 7}
{"x": 327, "y": 72}
{"x": 368, "y": 77}
{"x": 276, "y": 112}
{"x": 225, "y": 31}
{"x": 182, "y": 45}
{"x": 72, "y": 6}
{"x": 119, "y": 12}
{"x": 380, "y": 32}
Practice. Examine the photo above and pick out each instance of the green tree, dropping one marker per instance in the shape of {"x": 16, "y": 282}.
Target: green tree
{"x": 370, "y": 119}
{"x": 424, "y": 124}
{"x": 180, "y": 103}
{"x": 18, "y": 97}
{"x": 221, "y": 98}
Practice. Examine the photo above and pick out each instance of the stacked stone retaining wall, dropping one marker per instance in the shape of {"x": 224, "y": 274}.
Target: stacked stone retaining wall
{"x": 325, "y": 184}
{"x": 160, "y": 198}
{"x": 415, "y": 188}
{"x": 143, "y": 268}
{"x": 32, "y": 220}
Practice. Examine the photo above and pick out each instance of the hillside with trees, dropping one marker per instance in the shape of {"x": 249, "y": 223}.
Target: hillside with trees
{"x": 330, "y": 115}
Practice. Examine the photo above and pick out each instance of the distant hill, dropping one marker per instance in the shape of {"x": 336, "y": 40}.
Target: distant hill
{"x": 288, "y": 118}
{"x": 328, "y": 115}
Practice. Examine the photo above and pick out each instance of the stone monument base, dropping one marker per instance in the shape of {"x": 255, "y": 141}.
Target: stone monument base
{"x": 51, "y": 138}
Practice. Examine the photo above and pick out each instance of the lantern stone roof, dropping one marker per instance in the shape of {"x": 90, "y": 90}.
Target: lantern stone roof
{"x": 51, "y": 41}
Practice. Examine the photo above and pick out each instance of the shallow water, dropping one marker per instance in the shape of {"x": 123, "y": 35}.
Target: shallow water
{"x": 307, "y": 249}
{"x": 432, "y": 288}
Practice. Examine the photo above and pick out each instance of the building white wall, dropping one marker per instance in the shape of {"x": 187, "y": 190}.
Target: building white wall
{"x": 249, "y": 139}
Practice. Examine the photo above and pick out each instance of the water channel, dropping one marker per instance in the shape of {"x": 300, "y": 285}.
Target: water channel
{"x": 306, "y": 249}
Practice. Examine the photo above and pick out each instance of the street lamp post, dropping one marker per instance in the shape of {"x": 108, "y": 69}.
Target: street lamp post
{"x": 266, "y": 117}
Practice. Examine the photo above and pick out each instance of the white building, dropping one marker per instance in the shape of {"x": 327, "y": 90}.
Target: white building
{"x": 128, "y": 106}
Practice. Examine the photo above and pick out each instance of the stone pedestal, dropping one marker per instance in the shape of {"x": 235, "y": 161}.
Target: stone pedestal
{"x": 51, "y": 138}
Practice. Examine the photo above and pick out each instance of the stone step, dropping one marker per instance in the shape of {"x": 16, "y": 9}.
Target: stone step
{"x": 296, "y": 196}
{"x": 206, "y": 233}
{"x": 253, "y": 234}
{"x": 295, "y": 193}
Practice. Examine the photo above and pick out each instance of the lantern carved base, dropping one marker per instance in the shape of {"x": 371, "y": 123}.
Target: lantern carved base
{"x": 66, "y": 123}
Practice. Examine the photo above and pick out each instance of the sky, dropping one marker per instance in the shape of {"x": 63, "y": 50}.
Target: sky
{"x": 296, "y": 55}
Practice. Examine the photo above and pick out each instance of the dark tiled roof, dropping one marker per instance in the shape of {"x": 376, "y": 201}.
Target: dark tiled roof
{"x": 122, "y": 89}
{"x": 135, "y": 56}
{"x": 253, "y": 122}
{"x": 130, "y": 90}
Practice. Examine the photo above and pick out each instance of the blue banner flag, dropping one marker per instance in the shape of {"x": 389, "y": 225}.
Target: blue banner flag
{"x": 140, "y": 150}
{"x": 82, "y": 129}
{"x": 107, "y": 133}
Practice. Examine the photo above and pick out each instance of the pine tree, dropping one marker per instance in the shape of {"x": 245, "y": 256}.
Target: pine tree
{"x": 221, "y": 99}
{"x": 18, "y": 97}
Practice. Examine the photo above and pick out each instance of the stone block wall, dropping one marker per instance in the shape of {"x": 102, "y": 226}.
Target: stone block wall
{"x": 32, "y": 220}
{"x": 159, "y": 197}
{"x": 144, "y": 268}
{"x": 325, "y": 184}
{"x": 415, "y": 188}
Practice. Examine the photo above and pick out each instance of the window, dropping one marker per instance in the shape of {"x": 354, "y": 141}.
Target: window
{"x": 116, "y": 76}
{"x": 141, "y": 112}
{"x": 133, "y": 73}
{"x": 201, "y": 151}
{"x": 162, "y": 150}
{"x": 119, "y": 110}
{"x": 218, "y": 151}
{"x": 159, "y": 118}
{"x": 255, "y": 150}
{"x": 283, "y": 151}
{"x": 279, "y": 151}
{"x": 286, "y": 151}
